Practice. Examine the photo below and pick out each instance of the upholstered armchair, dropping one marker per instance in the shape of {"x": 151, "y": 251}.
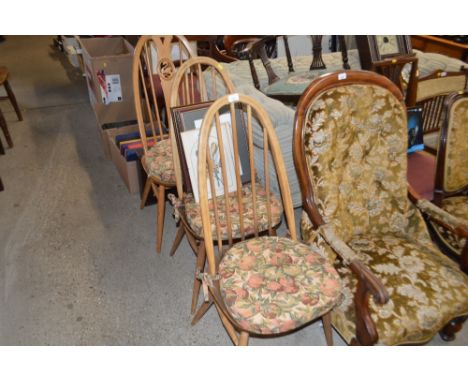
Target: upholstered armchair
{"x": 350, "y": 142}
{"x": 451, "y": 183}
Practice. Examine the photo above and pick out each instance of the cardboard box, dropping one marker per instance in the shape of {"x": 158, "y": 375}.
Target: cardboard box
{"x": 118, "y": 128}
{"x": 129, "y": 171}
{"x": 108, "y": 71}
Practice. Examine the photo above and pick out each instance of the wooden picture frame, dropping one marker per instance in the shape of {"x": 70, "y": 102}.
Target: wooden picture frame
{"x": 371, "y": 48}
{"x": 188, "y": 119}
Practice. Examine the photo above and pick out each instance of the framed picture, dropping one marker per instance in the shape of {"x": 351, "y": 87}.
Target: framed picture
{"x": 415, "y": 130}
{"x": 379, "y": 47}
{"x": 187, "y": 124}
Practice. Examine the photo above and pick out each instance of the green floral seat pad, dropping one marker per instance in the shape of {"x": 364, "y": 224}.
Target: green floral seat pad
{"x": 273, "y": 285}
{"x": 295, "y": 83}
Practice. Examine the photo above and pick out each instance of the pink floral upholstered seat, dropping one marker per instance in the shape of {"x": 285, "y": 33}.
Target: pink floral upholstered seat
{"x": 159, "y": 162}
{"x": 273, "y": 285}
{"x": 192, "y": 211}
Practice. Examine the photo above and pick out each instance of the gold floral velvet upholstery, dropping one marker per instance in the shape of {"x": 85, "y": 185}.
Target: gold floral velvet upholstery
{"x": 159, "y": 163}
{"x": 193, "y": 215}
{"x": 356, "y": 141}
{"x": 456, "y": 159}
{"x": 457, "y": 206}
{"x": 273, "y": 285}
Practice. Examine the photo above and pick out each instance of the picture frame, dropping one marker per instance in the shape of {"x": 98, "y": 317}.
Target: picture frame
{"x": 374, "y": 48}
{"x": 415, "y": 129}
{"x": 187, "y": 122}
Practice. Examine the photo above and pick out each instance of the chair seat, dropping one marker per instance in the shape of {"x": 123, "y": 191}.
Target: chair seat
{"x": 192, "y": 212}
{"x": 273, "y": 285}
{"x": 294, "y": 84}
{"x": 426, "y": 289}
{"x": 159, "y": 163}
{"x": 457, "y": 206}
{"x": 3, "y": 74}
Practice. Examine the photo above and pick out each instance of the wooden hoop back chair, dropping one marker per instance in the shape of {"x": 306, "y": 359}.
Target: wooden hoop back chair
{"x": 153, "y": 71}
{"x": 261, "y": 285}
{"x": 200, "y": 79}
{"x": 350, "y": 153}
{"x": 451, "y": 181}
{"x": 392, "y": 68}
{"x": 431, "y": 94}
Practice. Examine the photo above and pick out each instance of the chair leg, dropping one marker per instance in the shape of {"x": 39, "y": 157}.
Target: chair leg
{"x": 327, "y": 328}
{"x": 12, "y": 98}
{"x": 448, "y": 331}
{"x": 160, "y": 217}
{"x": 180, "y": 234}
{"x": 201, "y": 312}
{"x": 244, "y": 339}
{"x": 146, "y": 191}
{"x": 4, "y": 126}
{"x": 200, "y": 266}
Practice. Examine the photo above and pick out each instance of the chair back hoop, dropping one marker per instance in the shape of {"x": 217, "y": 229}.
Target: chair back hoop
{"x": 432, "y": 92}
{"x": 152, "y": 73}
{"x": 212, "y": 163}
{"x": 197, "y": 80}
{"x": 454, "y": 182}
{"x": 392, "y": 68}
{"x": 314, "y": 90}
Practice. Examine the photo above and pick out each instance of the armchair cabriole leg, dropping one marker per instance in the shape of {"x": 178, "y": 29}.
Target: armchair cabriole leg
{"x": 366, "y": 332}
{"x": 448, "y": 331}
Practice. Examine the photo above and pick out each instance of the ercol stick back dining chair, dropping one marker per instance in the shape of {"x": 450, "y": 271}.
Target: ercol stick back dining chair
{"x": 451, "y": 182}
{"x": 154, "y": 67}
{"x": 198, "y": 80}
{"x": 431, "y": 94}
{"x": 350, "y": 153}
{"x": 259, "y": 284}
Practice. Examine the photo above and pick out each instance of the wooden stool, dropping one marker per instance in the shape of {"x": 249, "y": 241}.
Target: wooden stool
{"x": 4, "y": 127}
{"x": 4, "y": 81}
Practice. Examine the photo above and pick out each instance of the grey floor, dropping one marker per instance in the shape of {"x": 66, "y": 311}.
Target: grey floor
{"x": 77, "y": 265}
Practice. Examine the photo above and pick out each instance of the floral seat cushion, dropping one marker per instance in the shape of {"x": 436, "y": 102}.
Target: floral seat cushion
{"x": 458, "y": 207}
{"x": 273, "y": 285}
{"x": 192, "y": 212}
{"x": 293, "y": 84}
{"x": 159, "y": 163}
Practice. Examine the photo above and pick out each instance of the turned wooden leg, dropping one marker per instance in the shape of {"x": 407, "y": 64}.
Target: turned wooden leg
{"x": 464, "y": 258}
{"x": 160, "y": 217}
{"x": 244, "y": 339}
{"x": 327, "y": 328}
{"x": 448, "y": 331}
{"x": 1, "y": 185}
{"x": 146, "y": 191}
{"x": 12, "y": 98}
{"x": 2, "y": 149}
{"x": 179, "y": 235}
{"x": 201, "y": 312}
{"x": 200, "y": 266}
{"x": 4, "y": 127}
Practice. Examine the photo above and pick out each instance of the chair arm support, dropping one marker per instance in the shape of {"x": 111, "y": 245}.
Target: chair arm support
{"x": 445, "y": 219}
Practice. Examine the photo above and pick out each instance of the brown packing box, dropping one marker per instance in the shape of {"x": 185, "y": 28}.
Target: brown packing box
{"x": 108, "y": 69}
{"x": 129, "y": 171}
{"x": 121, "y": 128}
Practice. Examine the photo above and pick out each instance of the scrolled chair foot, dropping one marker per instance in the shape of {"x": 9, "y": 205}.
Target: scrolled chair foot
{"x": 448, "y": 331}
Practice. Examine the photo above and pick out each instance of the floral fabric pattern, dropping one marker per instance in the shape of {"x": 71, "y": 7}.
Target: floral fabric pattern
{"x": 192, "y": 212}
{"x": 273, "y": 285}
{"x": 355, "y": 139}
{"x": 159, "y": 162}
{"x": 458, "y": 207}
{"x": 456, "y": 159}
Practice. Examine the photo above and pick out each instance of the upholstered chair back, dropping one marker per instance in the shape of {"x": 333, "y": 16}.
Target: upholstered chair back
{"x": 453, "y": 155}
{"x": 355, "y": 141}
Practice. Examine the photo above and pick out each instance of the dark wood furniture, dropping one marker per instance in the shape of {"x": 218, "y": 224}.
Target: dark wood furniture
{"x": 432, "y": 91}
{"x": 436, "y": 44}
{"x": 392, "y": 69}
{"x": 374, "y": 48}
{"x": 440, "y": 190}
{"x": 208, "y": 45}
{"x": 6, "y": 132}
{"x": 4, "y": 73}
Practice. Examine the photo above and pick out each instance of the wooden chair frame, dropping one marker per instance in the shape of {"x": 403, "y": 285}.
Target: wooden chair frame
{"x": 145, "y": 96}
{"x": 205, "y": 171}
{"x": 10, "y": 95}
{"x": 392, "y": 69}
{"x": 439, "y": 190}
{"x": 368, "y": 284}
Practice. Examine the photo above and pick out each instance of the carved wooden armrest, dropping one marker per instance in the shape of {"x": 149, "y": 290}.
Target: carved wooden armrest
{"x": 368, "y": 284}
{"x": 445, "y": 219}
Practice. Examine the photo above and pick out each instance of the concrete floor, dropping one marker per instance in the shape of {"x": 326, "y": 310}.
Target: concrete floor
{"x": 76, "y": 252}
